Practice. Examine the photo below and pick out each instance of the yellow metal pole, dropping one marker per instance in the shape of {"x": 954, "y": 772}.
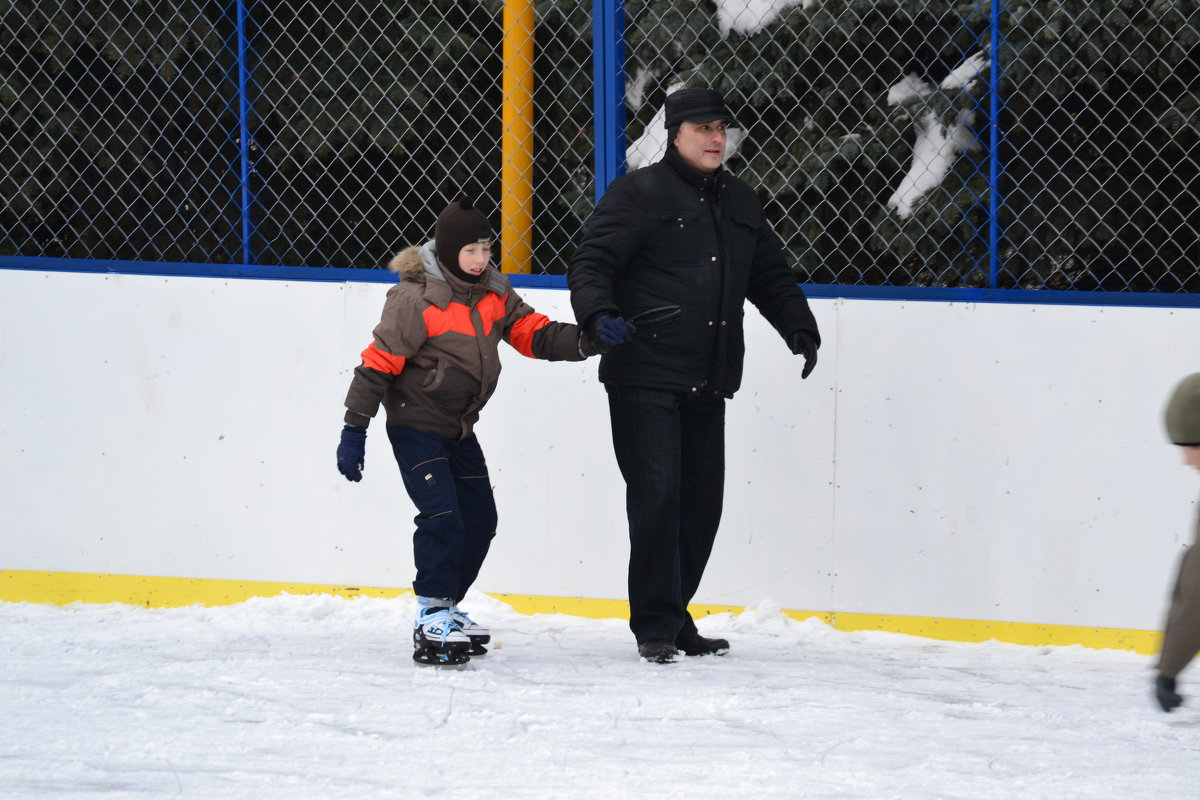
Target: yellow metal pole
{"x": 516, "y": 143}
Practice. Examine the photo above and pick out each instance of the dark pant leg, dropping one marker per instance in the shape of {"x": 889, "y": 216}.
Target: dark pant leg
{"x": 478, "y": 506}
{"x": 1181, "y": 634}
{"x": 646, "y": 441}
{"x": 702, "y": 432}
{"x": 438, "y": 541}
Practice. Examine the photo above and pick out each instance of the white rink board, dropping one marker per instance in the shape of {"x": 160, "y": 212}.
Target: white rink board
{"x": 995, "y": 461}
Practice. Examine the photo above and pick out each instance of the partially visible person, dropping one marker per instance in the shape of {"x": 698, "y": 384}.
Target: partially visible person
{"x": 668, "y": 260}
{"x": 433, "y": 364}
{"x": 1181, "y": 636}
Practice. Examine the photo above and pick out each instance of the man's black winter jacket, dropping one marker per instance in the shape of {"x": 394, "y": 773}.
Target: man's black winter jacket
{"x": 669, "y": 235}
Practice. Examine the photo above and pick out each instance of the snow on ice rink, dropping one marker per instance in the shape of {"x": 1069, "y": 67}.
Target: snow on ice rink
{"x": 317, "y": 697}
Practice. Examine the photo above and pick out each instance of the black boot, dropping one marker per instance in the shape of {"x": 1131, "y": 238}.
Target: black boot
{"x": 693, "y": 644}
{"x": 658, "y": 651}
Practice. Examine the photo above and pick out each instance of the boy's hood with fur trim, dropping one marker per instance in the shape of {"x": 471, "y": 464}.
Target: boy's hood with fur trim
{"x": 415, "y": 260}
{"x": 419, "y": 262}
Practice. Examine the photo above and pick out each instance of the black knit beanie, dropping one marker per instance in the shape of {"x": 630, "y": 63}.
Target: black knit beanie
{"x": 459, "y": 225}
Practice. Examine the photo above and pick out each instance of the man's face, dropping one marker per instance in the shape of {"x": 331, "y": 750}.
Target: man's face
{"x": 702, "y": 145}
{"x": 1191, "y": 456}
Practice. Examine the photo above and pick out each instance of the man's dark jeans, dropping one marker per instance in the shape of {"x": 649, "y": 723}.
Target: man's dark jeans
{"x": 456, "y": 510}
{"x": 670, "y": 447}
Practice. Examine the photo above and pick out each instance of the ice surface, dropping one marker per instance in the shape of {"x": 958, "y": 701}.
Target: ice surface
{"x": 317, "y": 697}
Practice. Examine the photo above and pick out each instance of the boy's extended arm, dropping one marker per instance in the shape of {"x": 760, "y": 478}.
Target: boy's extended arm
{"x": 537, "y": 336}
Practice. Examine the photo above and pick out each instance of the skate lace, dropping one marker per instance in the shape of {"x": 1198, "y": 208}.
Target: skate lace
{"x": 461, "y": 617}
{"x": 469, "y": 626}
{"x": 438, "y": 624}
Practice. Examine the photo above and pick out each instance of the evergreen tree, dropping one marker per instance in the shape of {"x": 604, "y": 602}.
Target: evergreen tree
{"x": 115, "y": 136}
{"x": 371, "y": 117}
{"x": 1099, "y": 152}
{"x": 120, "y": 136}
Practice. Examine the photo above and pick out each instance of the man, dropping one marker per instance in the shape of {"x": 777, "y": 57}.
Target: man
{"x": 670, "y": 256}
{"x": 1181, "y": 637}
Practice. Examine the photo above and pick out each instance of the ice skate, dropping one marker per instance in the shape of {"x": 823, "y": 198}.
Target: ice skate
{"x": 478, "y": 634}
{"x": 438, "y": 640}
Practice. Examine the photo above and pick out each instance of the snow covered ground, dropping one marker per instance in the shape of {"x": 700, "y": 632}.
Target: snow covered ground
{"x": 317, "y": 697}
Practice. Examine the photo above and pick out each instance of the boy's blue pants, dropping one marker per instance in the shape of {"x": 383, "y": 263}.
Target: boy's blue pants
{"x": 448, "y": 482}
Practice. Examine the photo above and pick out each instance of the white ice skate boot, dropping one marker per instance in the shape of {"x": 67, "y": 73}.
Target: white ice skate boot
{"x": 478, "y": 634}
{"x": 437, "y": 639}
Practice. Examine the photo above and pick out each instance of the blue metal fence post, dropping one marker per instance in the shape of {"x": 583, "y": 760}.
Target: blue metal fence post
{"x": 994, "y": 151}
{"x": 244, "y": 127}
{"x": 608, "y": 90}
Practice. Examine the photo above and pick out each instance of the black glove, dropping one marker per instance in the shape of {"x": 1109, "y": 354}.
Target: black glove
{"x": 351, "y": 451}
{"x": 1164, "y": 690}
{"x": 804, "y": 345}
{"x": 609, "y": 332}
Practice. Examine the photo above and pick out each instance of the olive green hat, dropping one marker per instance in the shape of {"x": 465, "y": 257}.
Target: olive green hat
{"x": 1183, "y": 412}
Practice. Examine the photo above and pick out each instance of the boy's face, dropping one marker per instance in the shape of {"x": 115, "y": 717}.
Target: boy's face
{"x": 473, "y": 258}
{"x": 1191, "y": 455}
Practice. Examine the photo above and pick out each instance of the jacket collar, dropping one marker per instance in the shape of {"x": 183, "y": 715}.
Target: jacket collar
{"x": 704, "y": 181}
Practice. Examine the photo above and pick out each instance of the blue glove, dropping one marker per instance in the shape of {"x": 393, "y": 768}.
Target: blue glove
{"x": 351, "y": 452}
{"x": 609, "y": 333}
{"x": 804, "y": 345}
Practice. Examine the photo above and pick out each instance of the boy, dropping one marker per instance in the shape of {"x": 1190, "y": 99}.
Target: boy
{"x": 433, "y": 365}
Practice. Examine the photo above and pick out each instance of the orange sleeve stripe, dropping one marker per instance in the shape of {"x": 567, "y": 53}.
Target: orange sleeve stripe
{"x": 376, "y": 359}
{"x": 521, "y": 334}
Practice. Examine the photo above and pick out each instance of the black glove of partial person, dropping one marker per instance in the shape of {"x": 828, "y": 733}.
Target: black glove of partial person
{"x": 1164, "y": 690}
{"x": 609, "y": 332}
{"x": 352, "y": 451}
{"x": 804, "y": 345}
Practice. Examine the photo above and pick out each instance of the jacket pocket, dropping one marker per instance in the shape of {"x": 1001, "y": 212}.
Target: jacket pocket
{"x": 651, "y": 322}
{"x": 680, "y": 218}
{"x": 680, "y": 237}
{"x": 743, "y": 232}
{"x": 745, "y": 220}
{"x": 434, "y": 377}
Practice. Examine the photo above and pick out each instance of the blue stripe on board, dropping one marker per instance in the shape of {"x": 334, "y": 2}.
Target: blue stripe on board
{"x": 826, "y": 291}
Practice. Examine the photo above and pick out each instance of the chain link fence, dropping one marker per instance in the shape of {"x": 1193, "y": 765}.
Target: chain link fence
{"x": 1038, "y": 145}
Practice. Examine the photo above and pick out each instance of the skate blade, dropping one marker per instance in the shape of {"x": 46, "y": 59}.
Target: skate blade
{"x": 455, "y": 659}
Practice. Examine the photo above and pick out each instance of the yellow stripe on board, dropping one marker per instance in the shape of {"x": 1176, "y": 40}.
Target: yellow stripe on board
{"x": 969, "y": 630}
{"x": 61, "y": 588}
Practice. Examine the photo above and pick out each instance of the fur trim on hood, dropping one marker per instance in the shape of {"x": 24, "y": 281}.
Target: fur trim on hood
{"x": 407, "y": 262}
{"x": 419, "y": 261}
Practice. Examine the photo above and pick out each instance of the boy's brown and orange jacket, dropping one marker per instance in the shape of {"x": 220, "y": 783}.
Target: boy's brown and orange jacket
{"x": 435, "y": 361}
